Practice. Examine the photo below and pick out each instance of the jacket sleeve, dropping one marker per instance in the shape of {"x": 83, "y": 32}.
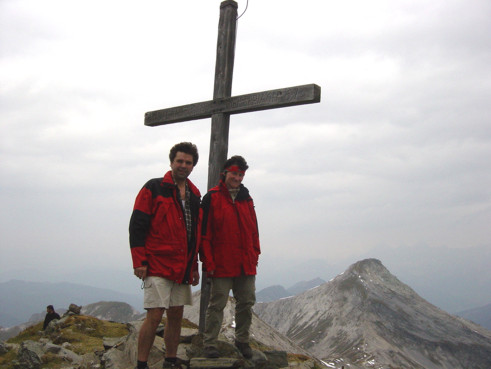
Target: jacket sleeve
{"x": 140, "y": 226}
{"x": 255, "y": 236}
{"x": 205, "y": 252}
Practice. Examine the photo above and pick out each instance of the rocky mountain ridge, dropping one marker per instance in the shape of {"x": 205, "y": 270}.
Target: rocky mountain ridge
{"x": 366, "y": 317}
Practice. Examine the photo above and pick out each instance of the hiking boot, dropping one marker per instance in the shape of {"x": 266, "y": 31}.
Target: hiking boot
{"x": 177, "y": 365}
{"x": 211, "y": 352}
{"x": 244, "y": 349}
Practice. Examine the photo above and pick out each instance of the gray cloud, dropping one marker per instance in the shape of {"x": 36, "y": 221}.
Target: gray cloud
{"x": 395, "y": 155}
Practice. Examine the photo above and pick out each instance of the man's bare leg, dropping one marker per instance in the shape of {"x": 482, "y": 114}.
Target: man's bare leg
{"x": 172, "y": 331}
{"x": 147, "y": 332}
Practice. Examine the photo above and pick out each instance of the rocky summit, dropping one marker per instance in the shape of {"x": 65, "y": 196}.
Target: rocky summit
{"x": 367, "y": 318}
{"x": 78, "y": 341}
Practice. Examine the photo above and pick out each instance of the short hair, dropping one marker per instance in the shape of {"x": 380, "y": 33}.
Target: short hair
{"x": 50, "y": 307}
{"x": 235, "y": 160}
{"x": 187, "y": 148}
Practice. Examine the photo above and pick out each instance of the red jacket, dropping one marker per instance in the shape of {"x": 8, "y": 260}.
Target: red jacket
{"x": 229, "y": 236}
{"x": 158, "y": 236}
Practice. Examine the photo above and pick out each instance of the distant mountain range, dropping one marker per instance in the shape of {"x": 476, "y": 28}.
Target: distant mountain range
{"x": 19, "y": 300}
{"x": 113, "y": 311}
{"x": 278, "y": 292}
{"x": 366, "y": 317}
{"x": 480, "y": 315}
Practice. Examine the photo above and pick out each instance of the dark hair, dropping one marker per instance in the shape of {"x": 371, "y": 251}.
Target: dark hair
{"x": 50, "y": 307}
{"x": 234, "y": 160}
{"x": 187, "y": 148}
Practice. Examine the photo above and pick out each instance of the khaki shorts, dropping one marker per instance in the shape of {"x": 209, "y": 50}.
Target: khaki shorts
{"x": 163, "y": 293}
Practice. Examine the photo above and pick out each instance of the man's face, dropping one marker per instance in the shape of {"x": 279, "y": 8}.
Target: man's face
{"x": 233, "y": 179}
{"x": 182, "y": 166}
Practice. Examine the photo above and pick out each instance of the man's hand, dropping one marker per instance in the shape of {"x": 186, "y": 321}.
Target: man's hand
{"x": 195, "y": 278}
{"x": 141, "y": 272}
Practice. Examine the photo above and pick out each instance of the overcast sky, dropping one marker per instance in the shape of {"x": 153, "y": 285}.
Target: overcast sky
{"x": 396, "y": 156}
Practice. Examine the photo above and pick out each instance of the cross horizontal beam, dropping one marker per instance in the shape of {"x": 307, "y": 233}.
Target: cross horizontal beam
{"x": 272, "y": 99}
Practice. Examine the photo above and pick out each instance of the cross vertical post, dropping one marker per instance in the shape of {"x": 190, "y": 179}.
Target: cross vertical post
{"x": 220, "y": 123}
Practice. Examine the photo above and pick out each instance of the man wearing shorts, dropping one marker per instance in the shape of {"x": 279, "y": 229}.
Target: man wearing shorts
{"x": 164, "y": 230}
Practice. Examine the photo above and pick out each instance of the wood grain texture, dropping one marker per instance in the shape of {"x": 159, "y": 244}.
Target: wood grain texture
{"x": 272, "y": 99}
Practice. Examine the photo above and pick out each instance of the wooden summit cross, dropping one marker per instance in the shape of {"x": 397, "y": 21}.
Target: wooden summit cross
{"x": 223, "y": 104}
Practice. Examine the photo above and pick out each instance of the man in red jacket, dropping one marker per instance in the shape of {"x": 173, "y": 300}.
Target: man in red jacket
{"x": 230, "y": 251}
{"x": 164, "y": 238}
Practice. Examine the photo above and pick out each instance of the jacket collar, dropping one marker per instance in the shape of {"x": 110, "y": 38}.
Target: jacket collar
{"x": 243, "y": 191}
{"x": 167, "y": 180}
